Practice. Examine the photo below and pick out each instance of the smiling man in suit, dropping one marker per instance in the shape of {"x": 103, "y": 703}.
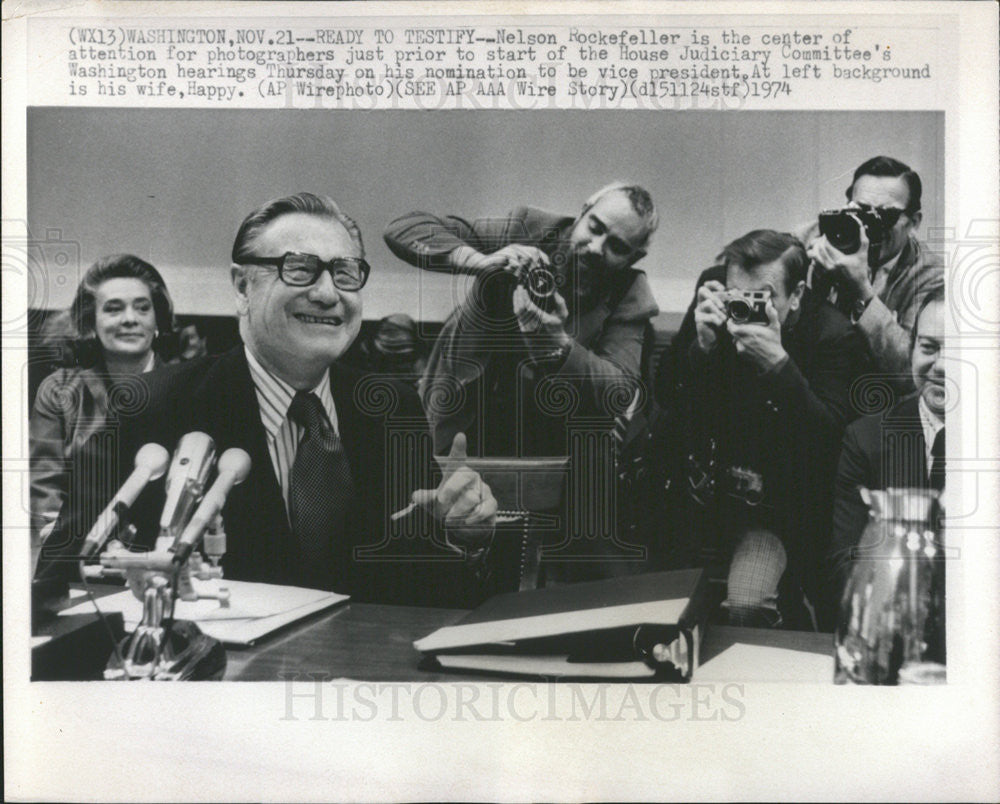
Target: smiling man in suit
{"x": 903, "y": 447}
{"x": 326, "y": 473}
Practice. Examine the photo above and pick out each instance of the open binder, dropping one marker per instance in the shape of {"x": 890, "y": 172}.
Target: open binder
{"x": 635, "y": 627}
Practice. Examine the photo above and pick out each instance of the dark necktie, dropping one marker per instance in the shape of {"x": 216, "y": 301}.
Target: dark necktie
{"x": 937, "y": 461}
{"x": 320, "y": 492}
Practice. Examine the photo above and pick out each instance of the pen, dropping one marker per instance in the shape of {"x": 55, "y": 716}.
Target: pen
{"x": 403, "y": 512}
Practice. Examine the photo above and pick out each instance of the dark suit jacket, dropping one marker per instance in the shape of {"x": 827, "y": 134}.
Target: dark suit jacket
{"x": 884, "y": 450}
{"x": 384, "y": 433}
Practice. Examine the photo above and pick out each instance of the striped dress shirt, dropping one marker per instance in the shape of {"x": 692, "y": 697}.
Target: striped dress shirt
{"x": 931, "y": 425}
{"x": 274, "y": 396}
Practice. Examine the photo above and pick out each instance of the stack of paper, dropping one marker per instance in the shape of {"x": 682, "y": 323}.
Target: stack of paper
{"x": 255, "y": 609}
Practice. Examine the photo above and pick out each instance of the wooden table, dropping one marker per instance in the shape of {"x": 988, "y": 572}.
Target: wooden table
{"x": 375, "y": 643}
{"x": 371, "y": 642}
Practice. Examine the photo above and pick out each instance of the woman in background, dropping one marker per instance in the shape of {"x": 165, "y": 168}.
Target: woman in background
{"x": 122, "y": 315}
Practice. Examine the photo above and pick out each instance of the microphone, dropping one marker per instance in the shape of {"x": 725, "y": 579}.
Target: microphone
{"x": 234, "y": 466}
{"x": 150, "y": 463}
{"x": 186, "y": 481}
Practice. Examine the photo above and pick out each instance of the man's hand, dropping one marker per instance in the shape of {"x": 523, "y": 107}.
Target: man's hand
{"x": 760, "y": 343}
{"x": 852, "y": 269}
{"x": 532, "y": 319}
{"x": 514, "y": 258}
{"x": 462, "y": 500}
{"x": 709, "y": 314}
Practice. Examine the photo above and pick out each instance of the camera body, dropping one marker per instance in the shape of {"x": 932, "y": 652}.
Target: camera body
{"x": 842, "y": 227}
{"x": 747, "y": 306}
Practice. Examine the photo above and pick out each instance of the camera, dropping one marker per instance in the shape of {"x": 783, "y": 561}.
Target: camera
{"x": 842, "y": 227}
{"x": 541, "y": 283}
{"x": 747, "y": 306}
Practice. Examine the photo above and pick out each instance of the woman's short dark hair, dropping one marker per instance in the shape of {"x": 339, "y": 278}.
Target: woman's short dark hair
{"x": 763, "y": 246}
{"x": 83, "y": 312}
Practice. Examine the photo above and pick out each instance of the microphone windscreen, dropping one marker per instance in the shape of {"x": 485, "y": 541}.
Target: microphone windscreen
{"x": 154, "y": 458}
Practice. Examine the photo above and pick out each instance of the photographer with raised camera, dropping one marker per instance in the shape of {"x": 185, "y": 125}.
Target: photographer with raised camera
{"x": 868, "y": 260}
{"x": 552, "y": 295}
{"x": 756, "y": 395}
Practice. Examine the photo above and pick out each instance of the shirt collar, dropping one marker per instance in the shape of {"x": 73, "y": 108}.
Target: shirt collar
{"x": 274, "y": 396}
{"x": 887, "y": 266}
{"x": 929, "y": 422}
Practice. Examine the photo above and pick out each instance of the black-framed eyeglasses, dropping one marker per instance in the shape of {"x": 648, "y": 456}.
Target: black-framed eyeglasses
{"x": 301, "y": 270}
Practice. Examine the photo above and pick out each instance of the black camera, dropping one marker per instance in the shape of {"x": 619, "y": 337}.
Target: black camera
{"x": 541, "y": 283}
{"x": 842, "y": 227}
{"x": 747, "y": 306}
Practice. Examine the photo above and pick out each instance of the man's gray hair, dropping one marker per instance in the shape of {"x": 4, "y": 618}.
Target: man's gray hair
{"x": 638, "y": 197}
{"x": 321, "y": 206}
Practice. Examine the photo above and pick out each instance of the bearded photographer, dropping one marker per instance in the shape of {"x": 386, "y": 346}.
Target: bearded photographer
{"x": 755, "y": 389}
{"x": 868, "y": 260}
{"x": 552, "y": 296}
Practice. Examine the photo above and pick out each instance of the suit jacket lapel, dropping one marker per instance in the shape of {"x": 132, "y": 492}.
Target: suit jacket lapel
{"x": 354, "y": 427}
{"x": 364, "y": 438}
{"x": 227, "y": 401}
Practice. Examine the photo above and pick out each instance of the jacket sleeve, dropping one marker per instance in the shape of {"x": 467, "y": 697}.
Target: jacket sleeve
{"x": 849, "y": 511}
{"x": 888, "y": 333}
{"x": 612, "y": 364}
{"x": 426, "y": 240}
{"x": 684, "y": 364}
{"x": 821, "y": 404}
{"x": 49, "y": 468}
{"x": 431, "y": 568}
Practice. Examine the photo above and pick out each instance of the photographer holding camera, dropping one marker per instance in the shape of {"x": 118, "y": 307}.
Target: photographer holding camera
{"x": 755, "y": 389}
{"x": 868, "y": 260}
{"x": 552, "y": 295}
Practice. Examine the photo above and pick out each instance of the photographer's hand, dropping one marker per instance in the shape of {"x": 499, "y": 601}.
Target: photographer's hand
{"x": 851, "y": 268}
{"x": 709, "y": 314}
{"x": 544, "y": 332}
{"x": 760, "y": 343}
{"x": 514, "y": 258}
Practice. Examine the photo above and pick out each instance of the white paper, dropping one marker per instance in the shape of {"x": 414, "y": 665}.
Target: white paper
{"x": 256, "y": 609}
{"x": 742, "y": 662}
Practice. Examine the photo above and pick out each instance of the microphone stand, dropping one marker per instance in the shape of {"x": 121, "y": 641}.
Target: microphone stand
{"x": 162, "y": 648}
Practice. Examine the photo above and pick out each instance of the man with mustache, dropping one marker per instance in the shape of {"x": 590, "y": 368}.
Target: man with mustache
{"x": 553, "y": 325}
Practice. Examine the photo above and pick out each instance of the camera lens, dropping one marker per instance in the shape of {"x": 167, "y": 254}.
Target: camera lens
{"x": 739, "y": 310}
{"x": 541, "y": 283}
{"x": 842, "y": 229}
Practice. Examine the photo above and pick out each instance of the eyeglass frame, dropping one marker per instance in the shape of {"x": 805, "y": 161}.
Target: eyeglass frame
{"x": 321, "y": 266}
{"x": 895, "y": 212}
